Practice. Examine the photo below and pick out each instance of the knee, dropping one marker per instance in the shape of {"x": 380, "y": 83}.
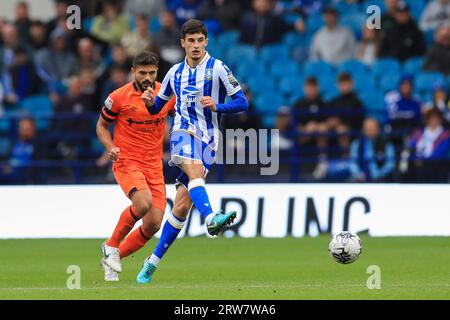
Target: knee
{"x": 181, "y": 209}
{"x": 143, "y": 206}
{"x": 197, "y": 171}
{"x": 151, "y": 226}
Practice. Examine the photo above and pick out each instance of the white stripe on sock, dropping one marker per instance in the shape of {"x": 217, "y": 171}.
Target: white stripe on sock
{"x": 154, "y": 260}
{"x": 199, "y": 182}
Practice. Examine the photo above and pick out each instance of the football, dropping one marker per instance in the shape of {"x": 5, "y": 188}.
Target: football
{"x": 345, "y": 247}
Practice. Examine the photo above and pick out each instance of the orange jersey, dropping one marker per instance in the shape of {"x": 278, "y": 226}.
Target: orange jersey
{"x": 137, "y": 133}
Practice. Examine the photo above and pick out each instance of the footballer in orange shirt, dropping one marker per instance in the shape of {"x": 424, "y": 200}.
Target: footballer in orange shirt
{"x": 136, "y": 152}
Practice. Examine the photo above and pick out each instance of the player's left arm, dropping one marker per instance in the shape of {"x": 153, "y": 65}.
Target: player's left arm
{"x": 238, "y": 101}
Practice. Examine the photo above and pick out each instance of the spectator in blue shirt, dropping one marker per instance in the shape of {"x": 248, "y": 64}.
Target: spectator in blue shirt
{"x": 22, "y": 75}
{"x": 403, "y": 107}
{"x": 23, "y": 152}
{"x": 184, "y": 9}
{"x": 8, "y": 48}
{"x": 307, "y": 7}
{"x": 372, "y": 157}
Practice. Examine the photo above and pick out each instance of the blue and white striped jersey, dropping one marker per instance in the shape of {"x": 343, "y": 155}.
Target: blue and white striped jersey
{"x": 210, "y": 78}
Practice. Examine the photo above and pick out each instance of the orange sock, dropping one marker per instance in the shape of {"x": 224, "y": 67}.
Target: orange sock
{"x": 126, "y": 222}
{"x": 135, "y": 241}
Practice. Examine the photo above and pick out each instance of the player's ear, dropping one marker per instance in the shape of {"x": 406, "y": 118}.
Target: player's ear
{"x": 182, "y": 42}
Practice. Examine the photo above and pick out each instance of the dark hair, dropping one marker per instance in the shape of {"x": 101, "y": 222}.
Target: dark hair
{"x": 311, "y": 81}
{"x": 343, "y": 77}
{"x": 193, "y": 26}
{"x": 433, "y": 112}
{"x": 142, "y": 16}
{"x": 145, "y": 58}
{"x": 29, "y": 118}
{"x": 38, "y": 23}
{"x": 22, "y": 4}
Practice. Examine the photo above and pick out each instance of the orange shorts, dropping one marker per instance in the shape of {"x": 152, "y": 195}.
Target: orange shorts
{"x": 132, "y": 179}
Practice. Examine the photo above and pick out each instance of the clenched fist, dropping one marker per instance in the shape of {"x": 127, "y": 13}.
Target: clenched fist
{"x": 208, "y": 102}
{"x": 113, "y": 154}
{"x": 149, "y": 97}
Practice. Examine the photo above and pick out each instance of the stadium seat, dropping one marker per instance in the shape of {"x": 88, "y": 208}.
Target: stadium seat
{"x": 259, "y": 85}
{"x": 41, "y": 107}
{"x": 228, "y": 38}
{"x": 5, "y": 145}
{"x": 364, "y": 82}
{"x": 413, "y": 66}
{"x": 379, "y": 3}
{"x": 327, "y": 83}
{"x": 386, "y": 66}
{"x": 4, "y": 125}
{"x": 314, "y": 23}
{"x": 425, "y": 81}
{"x": 291, "y": 18}
{"x": 389, "y": 82}
{"x": 318, "y": 68}
{"x": 268, "y": 103}
{"x": 241, "y": 53}
{"x": 374, "y": 104}
{"x": 416, "y": 8}
{"x": 288, "y": 85}
{"x": 251, "y": 70}
{"x": 292, "y": 39}
{"x": 347, "y": 8}
{"x": 354, "y": 21}
{"x": 274, "y": 52}
{"x": 429, "y": 37}
{"x": 353, "y": 67}
{"x": 87, "y": 23}
{"x": 282, "y": 68}
{"x": 96, "y": 147}
{"x": 155, "y": 25}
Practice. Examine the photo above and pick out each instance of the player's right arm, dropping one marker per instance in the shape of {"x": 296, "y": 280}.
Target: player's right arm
{"x": 107, "y": 116}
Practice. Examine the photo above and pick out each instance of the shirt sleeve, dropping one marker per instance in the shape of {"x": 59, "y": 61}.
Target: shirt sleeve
{"x": 170, "y": 107}
{"x": 111, "y": 107}
{"x": 229, "y": 81}
{"x": 166, "y": 90}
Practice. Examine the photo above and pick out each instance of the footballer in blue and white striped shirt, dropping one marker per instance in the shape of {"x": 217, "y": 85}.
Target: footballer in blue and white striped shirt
{"x": 200, "y": 84}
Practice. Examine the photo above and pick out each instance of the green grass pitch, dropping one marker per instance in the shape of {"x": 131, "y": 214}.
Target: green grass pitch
{"x": 236, "y": 268}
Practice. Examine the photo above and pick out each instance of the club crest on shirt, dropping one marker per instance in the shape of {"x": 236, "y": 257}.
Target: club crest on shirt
{"x": 208, "y": 74}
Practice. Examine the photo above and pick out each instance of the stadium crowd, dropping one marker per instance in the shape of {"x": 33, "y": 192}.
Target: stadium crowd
{"x": 352, "y": 103}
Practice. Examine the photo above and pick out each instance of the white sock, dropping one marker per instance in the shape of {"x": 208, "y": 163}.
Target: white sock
{"x": 154, "y": 260}
{"x": 209, "y": 218}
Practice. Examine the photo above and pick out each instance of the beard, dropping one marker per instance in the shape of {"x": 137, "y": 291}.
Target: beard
{"x": 144, "y": 85}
